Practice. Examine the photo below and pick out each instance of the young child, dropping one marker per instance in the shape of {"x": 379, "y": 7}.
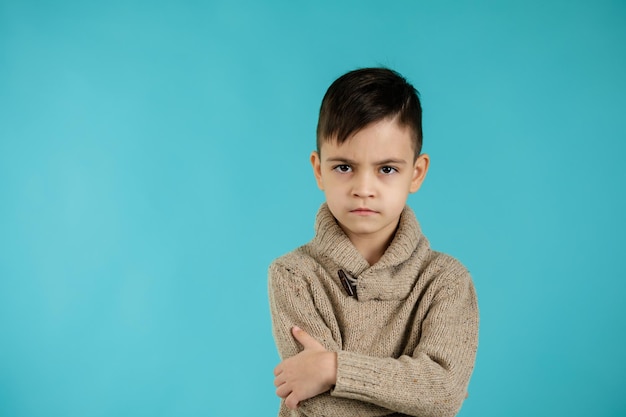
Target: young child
{"x": 368, "y": 320}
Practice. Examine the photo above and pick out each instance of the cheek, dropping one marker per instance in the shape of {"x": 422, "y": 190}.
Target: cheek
{"x": 401, "y": 190}
{"x": 336, "y": 196}
{"x": 334, "y": 193}
{"x": 333, "y": 184}
{"x": 326, "y": 182}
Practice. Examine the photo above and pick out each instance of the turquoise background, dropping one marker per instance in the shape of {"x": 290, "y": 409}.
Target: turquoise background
{"x": 154, "y": 160}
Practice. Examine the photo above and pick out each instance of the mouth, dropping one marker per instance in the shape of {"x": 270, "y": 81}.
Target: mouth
{"x": 363, "y": 211}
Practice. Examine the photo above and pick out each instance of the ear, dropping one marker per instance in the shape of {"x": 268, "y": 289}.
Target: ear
{"x": 316, "y": 163}
{"x": 420, "y": 168}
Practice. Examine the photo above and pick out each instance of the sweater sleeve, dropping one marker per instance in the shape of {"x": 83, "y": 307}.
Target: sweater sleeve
{"x": 292, "y": 303}
{"x": 433, "y": 380}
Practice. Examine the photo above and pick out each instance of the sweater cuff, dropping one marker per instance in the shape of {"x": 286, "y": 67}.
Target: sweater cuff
{"x": 357, "y": 378}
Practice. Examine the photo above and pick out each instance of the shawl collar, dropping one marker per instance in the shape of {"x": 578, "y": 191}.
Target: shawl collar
{"x": 393, "y": 276}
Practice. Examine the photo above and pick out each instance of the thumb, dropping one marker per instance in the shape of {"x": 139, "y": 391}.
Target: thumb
{"x": 306, "y": 340}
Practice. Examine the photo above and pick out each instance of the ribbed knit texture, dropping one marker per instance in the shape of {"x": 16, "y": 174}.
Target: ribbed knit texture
{"x": 405, "y": 345}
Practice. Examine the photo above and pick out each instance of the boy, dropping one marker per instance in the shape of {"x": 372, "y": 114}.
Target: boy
{"x": 368, "y": 320}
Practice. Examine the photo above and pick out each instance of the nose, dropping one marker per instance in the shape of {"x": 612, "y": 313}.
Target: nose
{"x": 363, "y": 185}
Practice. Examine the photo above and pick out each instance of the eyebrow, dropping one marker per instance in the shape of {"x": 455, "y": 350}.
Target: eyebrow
{"x": 382, "y": 162}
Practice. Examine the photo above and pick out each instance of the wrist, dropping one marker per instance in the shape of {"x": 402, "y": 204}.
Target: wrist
{"x": 331, "y": 368}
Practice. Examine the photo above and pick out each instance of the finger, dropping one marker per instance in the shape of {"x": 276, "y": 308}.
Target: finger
{"x": 283, "y": 391}
{"x": 279, "y": 380}
{"x": 278, "y": 370}
{"x": 305, "y": 339}
{"x": 291, "y": 401}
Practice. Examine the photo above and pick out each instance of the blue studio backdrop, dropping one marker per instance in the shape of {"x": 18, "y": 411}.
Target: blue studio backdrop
{"x": 154, "y": 160}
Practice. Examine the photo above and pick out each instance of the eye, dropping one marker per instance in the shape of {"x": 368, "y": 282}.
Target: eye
{"x": 342, "y": 168}
{"x": 388, "y": 170}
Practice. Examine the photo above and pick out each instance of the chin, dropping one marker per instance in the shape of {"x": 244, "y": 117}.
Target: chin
{"x": 359, "y": 229}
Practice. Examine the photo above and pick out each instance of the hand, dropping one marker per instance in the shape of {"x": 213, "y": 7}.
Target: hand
{"x": 307, "y": 374}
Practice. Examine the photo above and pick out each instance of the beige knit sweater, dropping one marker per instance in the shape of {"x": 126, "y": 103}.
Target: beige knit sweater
{"x": 406, "y": 344}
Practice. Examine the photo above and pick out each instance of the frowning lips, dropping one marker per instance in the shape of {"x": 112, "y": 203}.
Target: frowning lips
{"x": 363, "y": 211}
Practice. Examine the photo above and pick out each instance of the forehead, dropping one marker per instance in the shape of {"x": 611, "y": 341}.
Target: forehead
{"x": 379, "y": 140}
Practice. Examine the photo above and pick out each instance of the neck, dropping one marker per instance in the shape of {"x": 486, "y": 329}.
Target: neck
{"x": 371, "y": 254}
{"x": 372, "y": 247}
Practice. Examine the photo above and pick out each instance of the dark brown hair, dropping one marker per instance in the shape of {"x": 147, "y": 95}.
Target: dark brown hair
{"x": 364, "y": 96}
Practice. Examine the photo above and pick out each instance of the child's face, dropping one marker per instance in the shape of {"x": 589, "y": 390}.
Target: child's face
{"x": 368, "y": 178}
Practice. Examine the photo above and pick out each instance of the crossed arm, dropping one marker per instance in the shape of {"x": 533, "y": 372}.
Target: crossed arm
{"x": 319, "y": 378}
{"x": 311, "y": 372}
{"x": 307, "y": 374}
